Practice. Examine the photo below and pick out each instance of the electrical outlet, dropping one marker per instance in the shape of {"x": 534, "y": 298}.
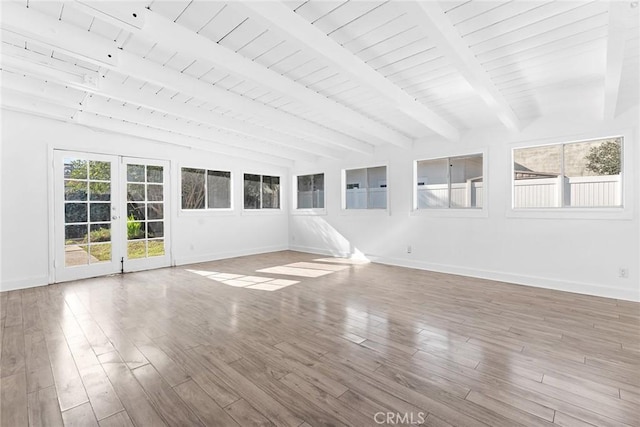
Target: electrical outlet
{"x": 623, "y": 273}
{"x": 409, "y": 249}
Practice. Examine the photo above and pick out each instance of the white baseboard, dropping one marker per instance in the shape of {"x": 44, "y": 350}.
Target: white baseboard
{"x": 232, "y": 254}
{"x": 24, "y": 283}
{"x": 534, "y": 281}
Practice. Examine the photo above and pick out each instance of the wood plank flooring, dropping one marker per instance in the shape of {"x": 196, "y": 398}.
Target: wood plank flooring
{"x": 292, "y": 339}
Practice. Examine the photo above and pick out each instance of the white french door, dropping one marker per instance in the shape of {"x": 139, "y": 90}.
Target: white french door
{"x": 111, "y": 214}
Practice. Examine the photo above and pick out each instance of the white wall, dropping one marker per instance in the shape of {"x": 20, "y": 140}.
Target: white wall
{"x": 574, "y": 251}
{"x": 25, "y": 189}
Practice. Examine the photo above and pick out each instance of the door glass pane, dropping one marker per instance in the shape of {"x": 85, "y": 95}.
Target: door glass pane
{"x": 100, "y": 171}
{"x": 99, "y": 212}
{"x": 87, "y": 226}
{"x": 100, "y": 191}
{"x": 75, "y": 190}
{"x": 135, "y": 173}
{"x": 75, "y": 212}
{"x": 145, "y": 210}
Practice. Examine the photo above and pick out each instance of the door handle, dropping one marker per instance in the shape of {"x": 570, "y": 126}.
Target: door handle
{"x": 114, "y": 217}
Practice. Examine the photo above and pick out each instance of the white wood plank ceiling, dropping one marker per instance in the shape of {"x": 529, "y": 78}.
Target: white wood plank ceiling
{"x": 297, "y": 80}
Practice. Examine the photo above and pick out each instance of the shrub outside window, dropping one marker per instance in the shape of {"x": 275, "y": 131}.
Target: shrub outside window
{"x": 450, "y": 182}
{"x": 366, "y": 188}
{"x": 310, "y": 191}
{"x": 205, "y": 189}
{"x": 577, "y": 174}
{"x": 261, "y": 191}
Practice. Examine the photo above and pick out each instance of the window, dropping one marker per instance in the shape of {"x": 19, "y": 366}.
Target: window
{"x": 205, "y": 189}
{"x": 261, "y": 192}
{"x": 311, "y": 191}
{"x": 366, "y": 188}
{"x": 451, "y": 182}
{"x": 576, "y": 174}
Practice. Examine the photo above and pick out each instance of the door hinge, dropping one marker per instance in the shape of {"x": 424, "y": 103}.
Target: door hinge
{"x": 122, "y": 265}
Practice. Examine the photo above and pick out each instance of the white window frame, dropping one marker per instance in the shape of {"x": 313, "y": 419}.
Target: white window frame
{"x": 307, "y": 211}
{"x": 261, "y": 210}
{"x": 624, "y": 212}
{"x": 206, "y": 210}
{"x": 365, "y": 211}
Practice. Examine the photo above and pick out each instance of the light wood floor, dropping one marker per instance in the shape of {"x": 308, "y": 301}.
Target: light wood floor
{"x": 187, "y": 348}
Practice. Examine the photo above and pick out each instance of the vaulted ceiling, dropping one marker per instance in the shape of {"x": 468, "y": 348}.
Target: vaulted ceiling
{"x": 298, "y": 80}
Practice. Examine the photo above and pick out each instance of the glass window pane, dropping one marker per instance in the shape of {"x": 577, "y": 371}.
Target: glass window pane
{"x": 135, "y": 173}
{"x": 99, "y": 212}
{"x": 537, "y": 173}
{"x": 155, "y": 229}
{"x": 219, "y": 189}
{"x": 136, "y": 211}
{"x": 75, "y": 190}
{"x": 100, "y": 233}
{"x": 136, "y": 249}
{"x": 433, "y": 183}
{"x": 75, "y": 168}
{"x": 251, "y": 191}
{"x": 193, "y": 188}
{"x": 75, "y": 212}
{"x": 100, "y": 253}
{"x": 466, "y": 181}
{"x": 356, "y": 191}
{"x": 592, "y": 173}
{"x": 135, "y": 192}
{"x": 155, "y": 211}
{"x": 154, "y": 174}
{"x": 100, "y": 191}
{"x": 75, "y": 234}
{"x": 270, "y": 192}
{"x": 100, "y": 170}
{"x": 76, "y": 255}
{"x": 305, "y": 192}
{"x": 155, "y": 247}
{"x": 377, "y": 187}
{"x": 155, "y": 192}
{"x": 135, "y": 230}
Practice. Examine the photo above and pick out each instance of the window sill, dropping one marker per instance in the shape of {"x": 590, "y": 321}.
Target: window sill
{"x": 572, "y": 213}
{"x": 206, "y": 212}
{"x": 309, "y": 212}
{"x": 451, "y": 212}
{"x": 262, "y": 212}
{"x": 365, "y": 212}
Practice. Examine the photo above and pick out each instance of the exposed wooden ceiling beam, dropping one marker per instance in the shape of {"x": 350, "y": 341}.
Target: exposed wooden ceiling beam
{"x": 37, "y": 26}
{"x": 32, "y": 104}
{"x": 430, "y": 16}
{"x": 619, "y": 12}
{"x": 296, "y": 28}
{"x": 171, "y": 35}
{"x": 108, "y": 87}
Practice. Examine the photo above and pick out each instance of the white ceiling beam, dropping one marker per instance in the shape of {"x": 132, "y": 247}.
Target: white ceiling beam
{"x": 619, "y": 13}
{"x": 113, "y": 109}
{"x": 37, "y": 26}
{"x": 22, "y": 102}
{"x": 51, "y": 93}
{"x": 173, "y": 138}
{"x": 432, "y": 19}
{"x": 126, "y": 94}
{"x": 174, "y": 36}
{"x": 286, "y": 21}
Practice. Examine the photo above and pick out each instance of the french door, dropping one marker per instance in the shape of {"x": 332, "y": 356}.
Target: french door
{"x": 111, "y": 214}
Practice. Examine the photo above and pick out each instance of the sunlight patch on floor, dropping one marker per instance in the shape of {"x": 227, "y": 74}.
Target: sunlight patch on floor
{"x": 242, "y": 281}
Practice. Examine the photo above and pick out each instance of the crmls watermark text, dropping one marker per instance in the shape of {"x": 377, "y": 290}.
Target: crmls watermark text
{"x": 400, "y": 418}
